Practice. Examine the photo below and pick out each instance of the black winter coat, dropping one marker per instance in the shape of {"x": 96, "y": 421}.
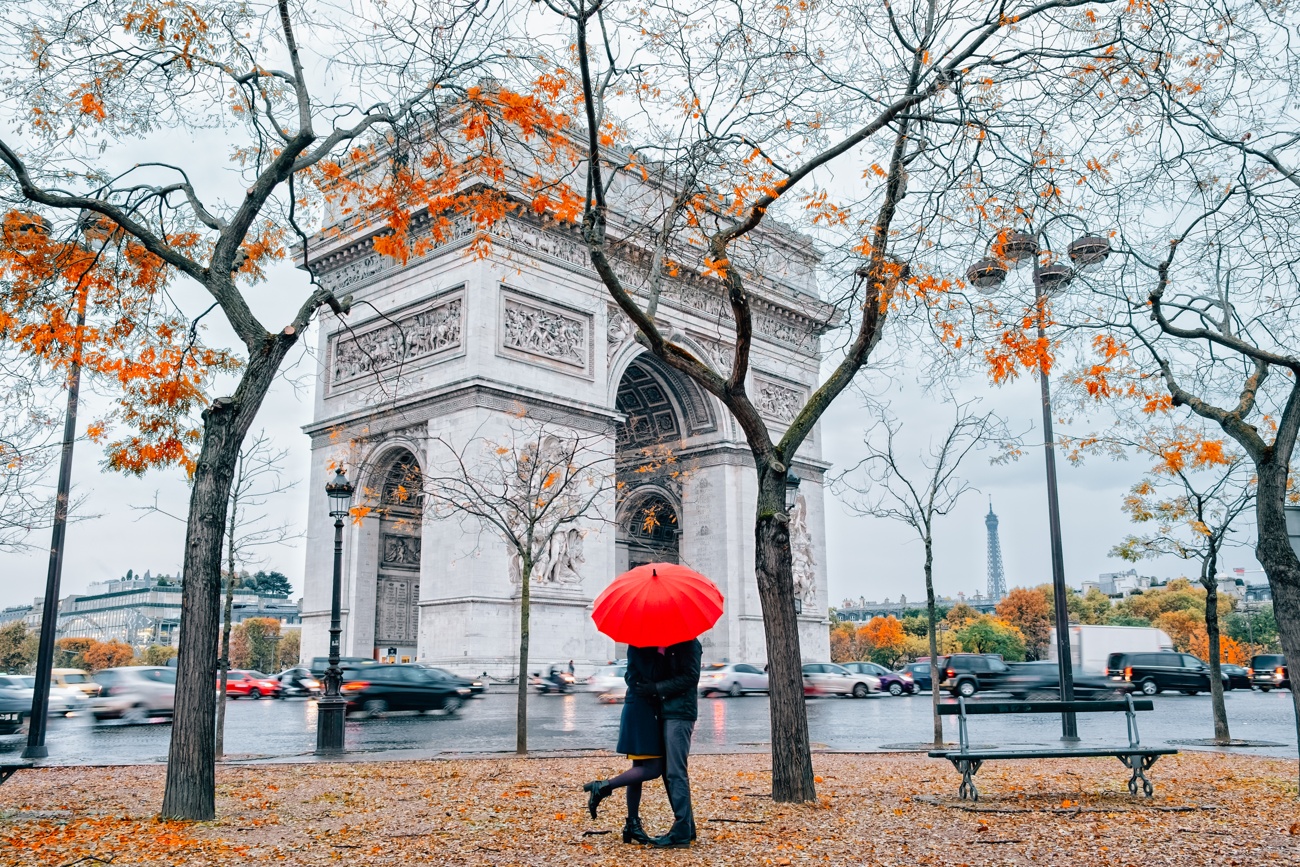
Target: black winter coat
{"x": 679, "y": 691}
{"x": 641, "y": 731}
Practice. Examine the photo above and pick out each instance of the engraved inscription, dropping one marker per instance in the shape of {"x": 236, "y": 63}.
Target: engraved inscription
{"x": 431, "y": 331}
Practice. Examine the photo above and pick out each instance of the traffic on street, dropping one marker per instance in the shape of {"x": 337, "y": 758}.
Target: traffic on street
{"x": 285, "y": 729}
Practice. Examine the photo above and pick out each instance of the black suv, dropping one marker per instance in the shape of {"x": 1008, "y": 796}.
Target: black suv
{"x": 1156, "y": 672}
{"x": 1269, "y": 670}
{"x": 968, "y": 673}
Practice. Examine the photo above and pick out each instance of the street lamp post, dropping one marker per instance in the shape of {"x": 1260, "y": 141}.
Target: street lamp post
{"x": 332, "y": 707}
{"x": 1049, "y": 279}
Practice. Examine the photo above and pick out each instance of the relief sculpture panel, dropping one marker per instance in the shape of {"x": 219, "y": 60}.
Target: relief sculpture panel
{"x": 778, "y": 401}
{"x": 432, "y": 331}
{"x": 544, "y": 332}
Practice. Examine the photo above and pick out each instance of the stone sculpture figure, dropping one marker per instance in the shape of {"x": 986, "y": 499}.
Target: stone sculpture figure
{"x": 801, "y": 552}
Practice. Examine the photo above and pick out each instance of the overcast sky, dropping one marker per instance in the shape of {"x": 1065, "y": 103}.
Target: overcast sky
{"x": 866, "y": 557}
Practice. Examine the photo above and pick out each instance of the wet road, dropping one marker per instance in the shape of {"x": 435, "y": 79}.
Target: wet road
{"x": 287, "y": 729}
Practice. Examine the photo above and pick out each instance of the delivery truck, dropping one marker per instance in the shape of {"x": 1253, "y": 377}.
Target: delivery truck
{"x": 1091, "y": 645}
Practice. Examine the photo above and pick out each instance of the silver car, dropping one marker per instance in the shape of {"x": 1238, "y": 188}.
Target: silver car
{"x": 827, "y": 678}
{"x": 733, "y": 679}
{"x": 135, "y": 694}
{"x": 63, "y": 701}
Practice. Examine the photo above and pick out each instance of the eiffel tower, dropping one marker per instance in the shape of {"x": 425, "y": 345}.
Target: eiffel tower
{"x": 997, "y": 577}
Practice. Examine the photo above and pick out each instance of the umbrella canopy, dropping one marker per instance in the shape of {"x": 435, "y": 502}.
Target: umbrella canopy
{"x": 656, "y": 605}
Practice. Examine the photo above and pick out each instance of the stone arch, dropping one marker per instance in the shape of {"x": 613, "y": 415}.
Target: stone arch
{"x": 648, "y": 527}
{"x": 696, "y": 408}
{"x": 397, "y": 486}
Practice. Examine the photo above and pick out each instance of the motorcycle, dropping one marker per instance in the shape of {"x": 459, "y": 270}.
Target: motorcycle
{"x": 558, "y": 682}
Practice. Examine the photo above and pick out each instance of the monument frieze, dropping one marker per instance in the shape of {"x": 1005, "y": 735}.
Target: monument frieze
{"x": 388, "y": 346}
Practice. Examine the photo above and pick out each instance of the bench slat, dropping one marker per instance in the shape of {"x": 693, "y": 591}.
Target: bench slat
{"x": 974, "y": 708}
{"x": 1087, "y": 753}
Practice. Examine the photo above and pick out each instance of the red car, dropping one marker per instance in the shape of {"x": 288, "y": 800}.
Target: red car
{"x": 252, "y": 684}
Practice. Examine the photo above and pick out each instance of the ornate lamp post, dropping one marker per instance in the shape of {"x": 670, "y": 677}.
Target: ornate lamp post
{"x": 332, "y": 707}
{"x": 1049, "y": 280}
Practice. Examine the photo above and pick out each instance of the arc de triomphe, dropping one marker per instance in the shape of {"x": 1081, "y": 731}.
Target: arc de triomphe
{"x": 453, "y": 345}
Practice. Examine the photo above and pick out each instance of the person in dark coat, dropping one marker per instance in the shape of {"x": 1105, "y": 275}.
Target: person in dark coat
{"x": 640, "y": 738}
{"x": 678, "y": 695}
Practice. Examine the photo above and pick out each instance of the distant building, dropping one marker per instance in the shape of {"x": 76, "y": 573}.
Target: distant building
{"x": 862, "y": 609}
{"x": 28, "y": 614}
{"x": 147, "y": 610}
{"x": 1121, "y": 584}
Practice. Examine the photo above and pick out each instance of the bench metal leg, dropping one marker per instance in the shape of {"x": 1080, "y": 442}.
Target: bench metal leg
{"x": 6, "y": 772}
{"x": 968, "y": 768}
{"x": 1139, "y": 765}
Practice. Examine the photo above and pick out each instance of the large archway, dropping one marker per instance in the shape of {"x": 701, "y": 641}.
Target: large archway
{"x": 397, "y": 581}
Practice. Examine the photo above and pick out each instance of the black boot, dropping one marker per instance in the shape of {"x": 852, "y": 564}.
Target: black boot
{"x": 634, "y": 833}
{"x": 597, "y": 792}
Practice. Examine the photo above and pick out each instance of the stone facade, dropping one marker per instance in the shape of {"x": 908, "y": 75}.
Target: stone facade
{"x": 460, "y": 346}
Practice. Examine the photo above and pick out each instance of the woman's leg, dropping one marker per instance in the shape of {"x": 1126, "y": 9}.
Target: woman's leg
{"x": 642, "y": 771}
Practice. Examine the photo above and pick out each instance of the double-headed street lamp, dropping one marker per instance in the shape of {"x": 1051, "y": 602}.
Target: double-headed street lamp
{"x": 1049, "y": 279}
{"x": 332, "y": 707}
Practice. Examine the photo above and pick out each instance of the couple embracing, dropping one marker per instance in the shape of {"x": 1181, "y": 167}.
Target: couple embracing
{"x": 655, "y": 733}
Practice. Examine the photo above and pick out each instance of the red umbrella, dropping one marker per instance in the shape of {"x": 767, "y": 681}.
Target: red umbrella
{"x": 656, "y": 605}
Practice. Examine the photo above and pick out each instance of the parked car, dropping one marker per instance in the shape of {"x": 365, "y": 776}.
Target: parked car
{"x": 63, "y": 700}
{"x": 1042, "y": 681}
{"x": 1269, "y": 671}
{"x": 1154, "y": 673}
{"x": 135, "y": 694}
{"x": 733, "y": 679}
{"x": 827, "y": 678}
{"x": 968, "y": 673}
{"x": 1238, "y": 677}
{"x": 298, "y": 682}
{"x": 378, "y": 689}
{"x": 473, "y": 684}
{"x": 920, "y": 672}
{"x": 251, "y": 684}
{"x": 320, "y": 663}
{"x": 608, "y": 679}
{"x": 75, "y": 678}
{"x": 892, "y": 682}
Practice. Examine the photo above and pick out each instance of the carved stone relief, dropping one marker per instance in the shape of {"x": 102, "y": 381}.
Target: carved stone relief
{"x": 402, "y": 552}
{"x": 542, "y": 331}
{"x": 618, "y": 330}
{"x": 428, "y": 332}
{"x": 801, "y": 552}
{"x": 777, "y": 401}
{"x": 558, "y": 564}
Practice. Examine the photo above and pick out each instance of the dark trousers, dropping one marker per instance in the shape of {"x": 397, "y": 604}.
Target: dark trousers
{"x": 677, "y": 749}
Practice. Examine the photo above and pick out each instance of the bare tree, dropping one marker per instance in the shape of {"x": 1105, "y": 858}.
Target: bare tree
{"x": 538, "y": 488}
{"x": 28, "y": 448}
{"x": 917, "y": 491}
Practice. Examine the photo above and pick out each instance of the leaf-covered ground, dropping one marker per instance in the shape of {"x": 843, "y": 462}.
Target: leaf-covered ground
{"x": 873, "y": 810}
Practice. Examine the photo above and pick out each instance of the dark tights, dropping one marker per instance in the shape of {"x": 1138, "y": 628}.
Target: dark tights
{"x": 642, "y": 771}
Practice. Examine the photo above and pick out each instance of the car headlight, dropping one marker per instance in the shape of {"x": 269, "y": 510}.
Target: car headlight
{"x": 462, "y": 691}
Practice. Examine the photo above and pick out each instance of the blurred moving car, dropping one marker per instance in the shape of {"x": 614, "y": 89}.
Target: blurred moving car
{"x": 965, "y": 674}
{"x": 251, "y": 684}
{"x": 135, "y": 694}
{"x": 379, "y": 689}
{"x": 476, "y": 686}
{"x": 892, "y": 682}
{"x": 1154, "y": 673}
{"x": 1041, "y": 681}
{"x": 63, "y": 701}
{"x": 14, "y": 711}
{"x": 1269, "y": 671}
{"x": 298, "y": 682}
{"x": 320, "y": 663}
{"x": 733, "y": 679}
{"x": 827, "y": 678}
{"x": 1238, "y": 677}
{"x": 606, "y": 679}
{"x": 75, "y": 678}
{"x": 920, "y": 672}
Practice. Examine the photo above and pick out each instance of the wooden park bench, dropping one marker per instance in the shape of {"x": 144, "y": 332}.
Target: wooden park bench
{"x": 1135, "y": 757}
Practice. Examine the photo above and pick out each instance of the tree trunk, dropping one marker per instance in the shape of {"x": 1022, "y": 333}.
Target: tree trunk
{"x": 1208, "y": 569}
{"x": 792, "y": 772}
{"x": 190, "y": 791}
{"x": 932, "y": 622}
{"x": 1274, "y": 552}
{"x": 521, "y": 712}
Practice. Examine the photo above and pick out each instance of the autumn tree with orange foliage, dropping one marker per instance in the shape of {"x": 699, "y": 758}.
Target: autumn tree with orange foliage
{"x": 108, "y": 654}
{"x": 1028, "y": 611}
{"x": 149, "y": 249}
{"x": 744, "y": 114}
{"x": 1193, "y": 493}
{"x": 883, "y": 640}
